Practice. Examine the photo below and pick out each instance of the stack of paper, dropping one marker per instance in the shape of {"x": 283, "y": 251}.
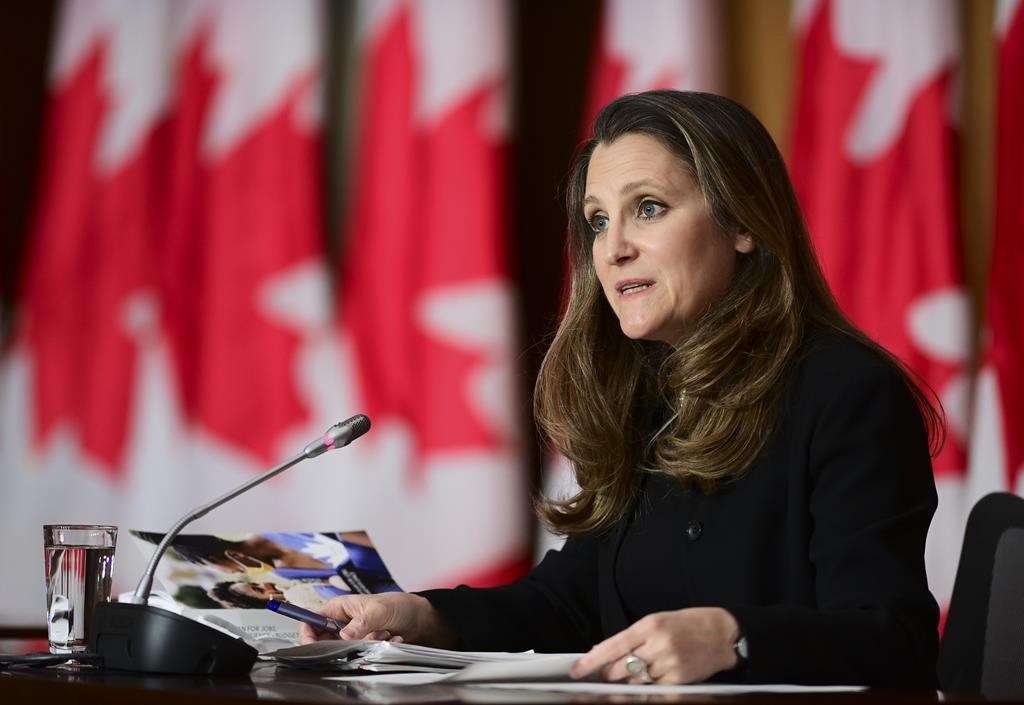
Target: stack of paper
{"x": 490, "y": 669}
{"x": 386, "y": 656}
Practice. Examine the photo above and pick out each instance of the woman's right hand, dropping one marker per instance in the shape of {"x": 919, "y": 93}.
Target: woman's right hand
{"x": 398, "y": 616}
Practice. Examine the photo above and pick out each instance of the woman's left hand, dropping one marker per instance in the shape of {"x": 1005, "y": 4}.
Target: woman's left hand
{"x": 682, "y": 646}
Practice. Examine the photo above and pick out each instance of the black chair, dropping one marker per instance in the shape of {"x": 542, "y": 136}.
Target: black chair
{"x": 982, "y": 649}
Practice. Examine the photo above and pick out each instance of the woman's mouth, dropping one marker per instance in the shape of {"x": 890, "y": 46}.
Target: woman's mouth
{"x": 633, "y": 286}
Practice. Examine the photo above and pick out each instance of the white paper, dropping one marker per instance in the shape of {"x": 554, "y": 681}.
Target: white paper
{"x": 348, "y": 655}
{"x": 389, "y": 678}
{"x": 699, "y": 688}
{"x": 539, "y": 668}
{"x": 494, "y": 669}
{"x": 601, "y": 688}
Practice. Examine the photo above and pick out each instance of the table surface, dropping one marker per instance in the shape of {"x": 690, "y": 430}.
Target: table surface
{"x": 265, "y": 682}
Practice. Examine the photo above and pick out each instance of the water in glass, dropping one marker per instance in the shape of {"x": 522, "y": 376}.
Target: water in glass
{"x": 78, "y": 577}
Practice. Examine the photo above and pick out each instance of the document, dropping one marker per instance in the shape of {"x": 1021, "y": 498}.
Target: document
{"x": 423, "y": 665}
{"x": 652, "y": 689}
{"x": 454, "y": 666}
{"x": 593, "y": 687}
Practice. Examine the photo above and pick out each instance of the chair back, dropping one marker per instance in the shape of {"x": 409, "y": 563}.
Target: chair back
{"x": 982, "y": 648}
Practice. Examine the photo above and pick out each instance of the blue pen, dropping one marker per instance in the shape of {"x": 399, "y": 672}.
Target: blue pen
{"x": 315, "y": 619}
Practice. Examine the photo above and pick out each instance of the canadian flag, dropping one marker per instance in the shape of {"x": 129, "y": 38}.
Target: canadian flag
{"x": 997, "y": 440}
{"x": 649, "y": 44}
{"x": 425, "y": 301}
{"x": 643, "y": 45}
{"x": 874, "y": 164}
{"x": 174, "y": 319}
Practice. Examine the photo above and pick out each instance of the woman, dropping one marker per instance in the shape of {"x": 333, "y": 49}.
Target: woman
{"x": 755, "y": 480}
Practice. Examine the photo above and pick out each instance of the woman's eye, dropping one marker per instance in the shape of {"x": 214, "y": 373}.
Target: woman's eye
{"x": 599, "y": 223}
{"x": 651, "y": 209}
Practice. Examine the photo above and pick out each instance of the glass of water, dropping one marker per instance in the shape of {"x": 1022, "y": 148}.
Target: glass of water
{"x": 79, "y": 562}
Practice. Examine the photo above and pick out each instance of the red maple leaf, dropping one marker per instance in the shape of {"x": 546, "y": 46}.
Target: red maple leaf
{"x": 427, "y": 214}
{"x": 233, "y": 221}
{"x": 885, "y": 230}
{"x": 89, "y": 253}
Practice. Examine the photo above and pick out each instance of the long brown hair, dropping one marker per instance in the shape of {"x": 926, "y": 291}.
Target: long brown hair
{"x": 722, "y": 384}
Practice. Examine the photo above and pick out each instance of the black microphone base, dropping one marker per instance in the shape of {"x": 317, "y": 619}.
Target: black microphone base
{"x": 148, "y": 639}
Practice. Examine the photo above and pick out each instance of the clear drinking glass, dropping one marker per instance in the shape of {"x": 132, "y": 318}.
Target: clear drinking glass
{"x": 79, "y": 563}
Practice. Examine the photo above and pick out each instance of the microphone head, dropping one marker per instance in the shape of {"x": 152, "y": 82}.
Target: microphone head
{"x": 339, "y": 435}
{"x": 348, "y": 430}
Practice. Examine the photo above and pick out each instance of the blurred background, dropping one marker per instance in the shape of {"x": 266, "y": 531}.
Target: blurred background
{"x": 228, "y": 224}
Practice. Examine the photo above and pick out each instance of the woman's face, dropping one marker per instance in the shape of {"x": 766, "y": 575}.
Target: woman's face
{"x": 658, "y": 254}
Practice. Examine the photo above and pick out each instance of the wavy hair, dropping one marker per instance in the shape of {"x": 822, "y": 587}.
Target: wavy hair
{"x": 598, "y": 393}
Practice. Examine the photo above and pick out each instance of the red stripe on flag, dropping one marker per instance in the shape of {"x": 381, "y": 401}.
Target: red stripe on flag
{"x": 1005, "y": 296}
{"x": 89, "y": 251}
{"x": 429, "y": 215}
{"x": 425, "y": 297}
{"x": 885, "y": 227}
{"x": 233, "y": 221}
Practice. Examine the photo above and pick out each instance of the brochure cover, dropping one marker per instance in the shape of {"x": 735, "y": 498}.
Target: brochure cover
{"x": 229, "y": 578}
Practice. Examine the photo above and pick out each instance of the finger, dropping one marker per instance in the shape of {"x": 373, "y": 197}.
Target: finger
{"x": 355, "y": 629}
{"x": 608, "y": 673}
{"x": 597, "y": 658}
{"x": 605, "y": 654}
{"x": 595, "y": 662}
{"x": 307, "y": 634}
{"x": 379, "y": 635}
{"x": 617, "y": 671}
{"x": 338, "y": 609}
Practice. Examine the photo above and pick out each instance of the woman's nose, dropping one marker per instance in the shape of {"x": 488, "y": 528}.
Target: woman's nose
{"x": 618, "y": 246}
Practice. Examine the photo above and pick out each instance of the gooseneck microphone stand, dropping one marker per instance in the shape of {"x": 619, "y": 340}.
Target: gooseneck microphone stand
{"x": 133, "y": 635}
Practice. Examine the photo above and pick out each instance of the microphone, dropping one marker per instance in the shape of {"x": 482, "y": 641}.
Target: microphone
{"x": 338, "y": 436}
{"x": 133, "y": 635}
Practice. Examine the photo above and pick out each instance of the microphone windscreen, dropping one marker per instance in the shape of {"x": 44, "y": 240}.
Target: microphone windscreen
{"x": 344, "y": 432}
{"x": 358, "y": 426}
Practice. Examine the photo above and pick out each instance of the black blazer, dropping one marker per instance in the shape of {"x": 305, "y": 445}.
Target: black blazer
{"x": 818, "y": 550}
